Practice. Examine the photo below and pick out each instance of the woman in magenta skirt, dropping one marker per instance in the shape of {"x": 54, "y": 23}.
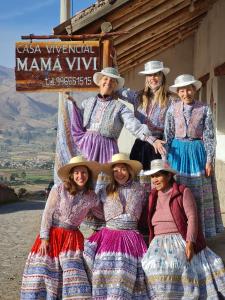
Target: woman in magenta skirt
{"x": 113, "y": 255}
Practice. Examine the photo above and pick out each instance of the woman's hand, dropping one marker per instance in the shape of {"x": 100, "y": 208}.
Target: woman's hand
{"x": 68, "y": 97}
{"x": 158, "y": 146}
{"x": 208, "y": 169}
{"x": 189, "y": 250}
{"x": 44, "y": 247}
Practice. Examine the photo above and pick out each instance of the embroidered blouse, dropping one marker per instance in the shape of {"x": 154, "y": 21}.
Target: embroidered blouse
{"x": 193, "y": 121}
{"x": 127, "y": 204}
{"x": 109, "y": 116}
{"x": 153, "y": 117}
{"x": 64, "y": 208}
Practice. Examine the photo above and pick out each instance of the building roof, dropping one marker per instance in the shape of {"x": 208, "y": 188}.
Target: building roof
{"x": 153, "y": 25}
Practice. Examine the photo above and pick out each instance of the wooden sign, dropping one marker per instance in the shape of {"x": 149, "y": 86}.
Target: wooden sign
{"x": 58, "y": 66}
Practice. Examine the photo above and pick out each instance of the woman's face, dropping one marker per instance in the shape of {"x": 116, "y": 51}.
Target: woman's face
{"x": 107, "y": 85}
{"x": 121, "y": 173}
{"x": 80, "y": 176}
{"x": 161, "y": 181}
{"x": 154, "y": 80}
{"x": 187, "y": 93}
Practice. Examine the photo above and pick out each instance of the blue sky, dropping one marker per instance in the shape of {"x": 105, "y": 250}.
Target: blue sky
{"x": 22, "y": 17}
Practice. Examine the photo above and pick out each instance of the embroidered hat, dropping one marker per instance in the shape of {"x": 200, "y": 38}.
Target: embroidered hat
{"x": 185, "y": 80}
{"x": 110, "y": 72}
{"x": 76, "y": 161}
{"x": 154, "y": 66}
{"x": 122, "y": 158}
{"x": 159, "y": 165}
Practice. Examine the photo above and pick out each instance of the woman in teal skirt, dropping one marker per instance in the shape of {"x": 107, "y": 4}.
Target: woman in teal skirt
{"x": 191, "y": 145}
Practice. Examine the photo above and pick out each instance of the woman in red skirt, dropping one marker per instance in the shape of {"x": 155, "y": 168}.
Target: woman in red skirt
{"x": 54, "y": 268}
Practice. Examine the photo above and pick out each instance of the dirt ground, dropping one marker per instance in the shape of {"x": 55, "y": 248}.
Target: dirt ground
{"x": 20, "y": 224}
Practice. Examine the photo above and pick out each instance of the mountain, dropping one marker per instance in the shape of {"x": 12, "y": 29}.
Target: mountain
{"x": 31, "y": 110}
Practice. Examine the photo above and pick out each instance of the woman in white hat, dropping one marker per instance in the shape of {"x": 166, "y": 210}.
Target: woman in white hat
{"x": 113, "y": 255}
{"x": 178, "y": 265}
{"x": 96, "y": 129}
{"x": 54, "y": 268}
{"x": 191, "y": 142}
{"x": 150, "y": 106}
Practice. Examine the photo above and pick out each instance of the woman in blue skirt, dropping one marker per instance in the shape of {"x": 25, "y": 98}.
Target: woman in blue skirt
{"x": 191, "y": 145}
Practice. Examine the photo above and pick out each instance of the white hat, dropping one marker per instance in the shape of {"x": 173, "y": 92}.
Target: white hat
{"x": 154, "y": 66}
{"x": 185, "y": 80}
{"x": 76, "y": 161}
{"x": 122, "y": 158}
{"x": 110, "y": 72}
{"x": 159, "y": 165}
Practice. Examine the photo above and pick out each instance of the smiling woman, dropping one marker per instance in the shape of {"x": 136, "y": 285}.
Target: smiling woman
{"x": 96, "y": 128}
{"x": 54, "y": 268}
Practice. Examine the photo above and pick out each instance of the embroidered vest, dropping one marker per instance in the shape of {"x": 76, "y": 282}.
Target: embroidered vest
{"x": 196, "y": 124}
{"x": 134, "y": 197}
{"x": 178, "y": 213}
{"x": 111, "y": 125}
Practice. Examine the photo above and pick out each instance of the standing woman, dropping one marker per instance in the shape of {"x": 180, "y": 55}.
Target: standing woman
{"x": 150, "y": 107}
{"x": 96, "y": 127}
{"x": 178, "y": 265}
{"x": 113, "y": 255}
{"x": 191, "y": 142}
{"x": 54, "y": 268}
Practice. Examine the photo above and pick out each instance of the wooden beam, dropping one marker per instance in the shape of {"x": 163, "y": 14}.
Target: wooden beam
{"x": 167, "y": 24}
{"x": 146, "y": 20}
{"x": 154, "y": 43}
{"x": 138, "y": 34}
{"x": 132, "y": 8}
{"x": 88, "y": 16}
{"x": 152, "y": 40}
{"x": 72, "y": 37}
{"x": 123, "y": 69}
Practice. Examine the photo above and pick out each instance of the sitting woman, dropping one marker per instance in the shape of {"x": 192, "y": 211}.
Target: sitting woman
{"x": 113, "y": 255}
{"x": 54, "y": 268}
{"x": 178, "y": 265}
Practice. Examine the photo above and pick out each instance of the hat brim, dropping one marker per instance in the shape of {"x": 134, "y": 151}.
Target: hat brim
{"x": 154, "y": 171}
{"x": 135, "y": 165}
{"x": 98, "y": 76}
{"x": 164, "y": 70}
{"x": 196, "y": 83}
{"x": 93, "y": 166}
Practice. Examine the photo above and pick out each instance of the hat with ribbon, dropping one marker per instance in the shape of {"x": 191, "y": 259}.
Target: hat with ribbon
{"x": 76, "y": 161}
{"x": 122, "y": 158}
{"x": 158, "y": 165}
{"x": 110, "y": 72}
{"x": 185, "y": 80}
{"x": 154, "y": 66}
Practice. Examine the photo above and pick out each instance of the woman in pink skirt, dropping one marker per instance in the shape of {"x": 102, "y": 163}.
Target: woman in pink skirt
{"x": 113, "y": 255}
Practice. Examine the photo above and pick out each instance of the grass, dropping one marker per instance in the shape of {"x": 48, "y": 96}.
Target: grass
{"x": 35, "y": 179}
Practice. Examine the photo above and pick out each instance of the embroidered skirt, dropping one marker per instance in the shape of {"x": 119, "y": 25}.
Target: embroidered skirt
{"x": 113, "y": 258}
{"x": 61, "y": 273}
{"x": 189, "y": 159}
{"x": 172, "y": 277}
{"x": 91, "y": 144}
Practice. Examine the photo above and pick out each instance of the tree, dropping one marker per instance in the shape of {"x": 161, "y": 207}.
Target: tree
{"x": 23, "y": 175}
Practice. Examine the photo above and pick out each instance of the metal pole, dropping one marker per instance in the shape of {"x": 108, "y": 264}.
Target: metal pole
{"x": 64, "y": 10}
{"x": 63, "y": 150}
